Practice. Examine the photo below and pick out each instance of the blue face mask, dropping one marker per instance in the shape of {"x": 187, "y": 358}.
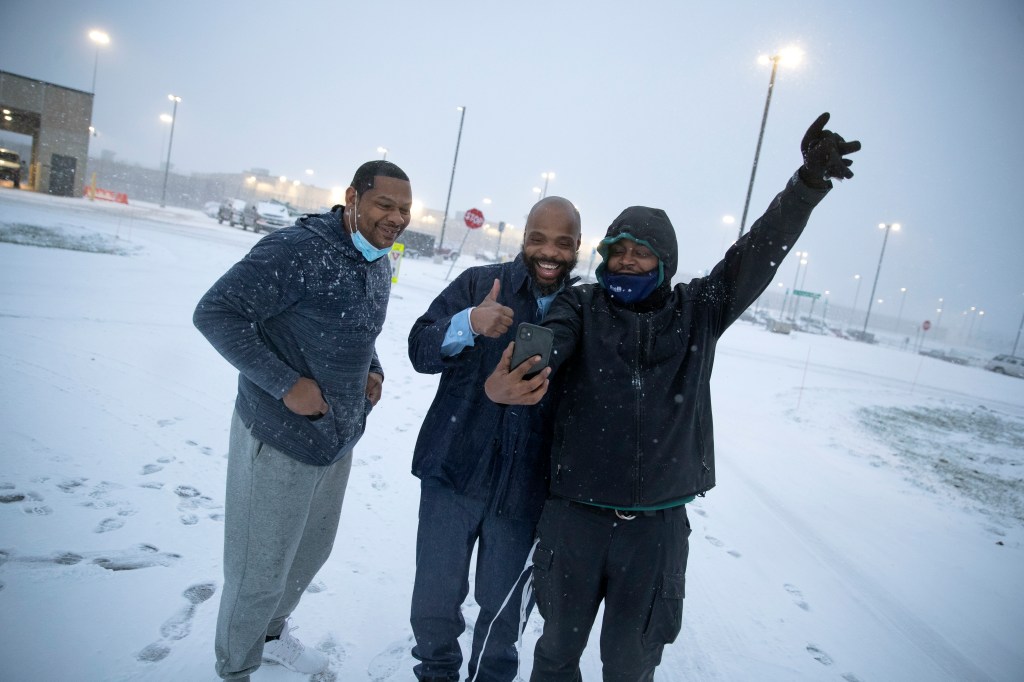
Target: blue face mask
{"x": 626, "y": 288}
{"x": 369, "y": 251}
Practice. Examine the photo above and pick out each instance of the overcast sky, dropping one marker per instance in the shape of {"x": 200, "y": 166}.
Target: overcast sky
{"x": 654, "y": 103}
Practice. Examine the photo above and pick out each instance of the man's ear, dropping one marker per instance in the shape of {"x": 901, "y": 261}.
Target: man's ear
{"x": 350, "y": 196}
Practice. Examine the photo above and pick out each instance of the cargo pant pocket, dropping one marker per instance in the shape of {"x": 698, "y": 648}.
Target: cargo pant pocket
{"x": 542, "y": 560}
{"x": 666, "y": 617}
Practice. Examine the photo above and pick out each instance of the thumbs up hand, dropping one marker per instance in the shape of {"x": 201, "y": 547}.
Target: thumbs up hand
{"x": 490, "y": 318}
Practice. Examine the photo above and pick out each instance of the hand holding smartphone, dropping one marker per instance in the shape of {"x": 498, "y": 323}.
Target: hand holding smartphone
{"x": 532, "y": 340}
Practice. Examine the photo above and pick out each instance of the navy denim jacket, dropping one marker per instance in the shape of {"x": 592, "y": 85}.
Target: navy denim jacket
{"x": 490, "y": 452}
{"x": 303, "y": 303}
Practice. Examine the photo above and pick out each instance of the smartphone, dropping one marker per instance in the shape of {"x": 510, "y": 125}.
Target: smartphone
{"x": 532, "y": 340}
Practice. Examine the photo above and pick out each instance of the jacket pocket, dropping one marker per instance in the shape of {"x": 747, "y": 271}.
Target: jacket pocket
{"x": 666, "y": 617}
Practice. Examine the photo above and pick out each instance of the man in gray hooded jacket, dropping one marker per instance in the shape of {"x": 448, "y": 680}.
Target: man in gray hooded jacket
{"x": 298, "y": 317}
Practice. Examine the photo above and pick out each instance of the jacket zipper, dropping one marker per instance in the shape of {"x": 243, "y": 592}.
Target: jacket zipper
{"x": 638, "y": 392}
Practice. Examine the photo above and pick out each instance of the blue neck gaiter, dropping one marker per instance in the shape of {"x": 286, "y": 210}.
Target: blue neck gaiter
{"x": 369, "y": 251}
{"x": 629, "y": 288}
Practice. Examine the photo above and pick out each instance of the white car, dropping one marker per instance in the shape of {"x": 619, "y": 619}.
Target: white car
{"x": 266, "y": 216}
{"x": 1006, "y": 364}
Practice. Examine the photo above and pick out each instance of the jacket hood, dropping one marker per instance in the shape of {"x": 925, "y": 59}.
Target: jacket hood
{"x": 651, "y": 227}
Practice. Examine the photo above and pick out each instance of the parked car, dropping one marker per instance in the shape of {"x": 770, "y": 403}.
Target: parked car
{"x": 265, "y": 216}
{"x": 947, "y": 356}
{"x": 10, "y": 166}
{"x": 1006, "y": 364}
{"x": 231, "y": 211}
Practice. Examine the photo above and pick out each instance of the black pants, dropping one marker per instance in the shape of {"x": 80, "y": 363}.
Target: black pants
{"x": 637, "y": 567}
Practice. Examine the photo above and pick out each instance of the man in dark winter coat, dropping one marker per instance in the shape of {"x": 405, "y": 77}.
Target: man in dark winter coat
{"x": 298, "y": 317}
{"x": 483, "y": 466}
{"x": 633, "y": 436}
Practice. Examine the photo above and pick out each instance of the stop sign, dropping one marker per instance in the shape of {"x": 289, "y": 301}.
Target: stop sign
{"x": 474, "y": 218}
{"x": 926, "y": 325}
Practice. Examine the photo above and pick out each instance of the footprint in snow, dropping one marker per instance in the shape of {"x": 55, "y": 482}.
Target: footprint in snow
{"x": 109, "y": 524}
{"x": 714, "y": 541}
{"x": 798, "y": 596}
{"x": 179, "y": 625}
{"x": 141, "y": 556}
{"x": 819, "y": 655}
{"x": 393, "y": 663}
{"x": 151, "y": 469}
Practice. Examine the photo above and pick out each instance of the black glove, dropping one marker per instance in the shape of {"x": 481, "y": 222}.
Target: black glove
{"x": 823, "y": 153}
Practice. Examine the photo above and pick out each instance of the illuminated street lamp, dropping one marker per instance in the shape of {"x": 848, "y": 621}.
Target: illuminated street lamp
{"x": 101, "y": 39}
{"x": 789, "y": 56}
{"x": 887, "y": 227}
{"x": 170, "y": 141}
{"x": 547, "y": 176}
{"x": 384, "y": 151}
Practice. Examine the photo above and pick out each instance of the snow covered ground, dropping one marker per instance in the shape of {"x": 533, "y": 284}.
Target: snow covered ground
{"x": 868, "y": 523}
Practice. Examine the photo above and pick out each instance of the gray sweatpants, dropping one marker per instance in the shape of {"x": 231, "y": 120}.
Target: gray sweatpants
{"x": 280, "y": 520}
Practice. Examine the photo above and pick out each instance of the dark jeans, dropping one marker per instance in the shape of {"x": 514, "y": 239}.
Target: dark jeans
{"x": 450, "y": 525}
{"x": 637, "y": 567}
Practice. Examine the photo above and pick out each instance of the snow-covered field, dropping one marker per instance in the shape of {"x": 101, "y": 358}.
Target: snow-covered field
{"x": 868, "y": 523}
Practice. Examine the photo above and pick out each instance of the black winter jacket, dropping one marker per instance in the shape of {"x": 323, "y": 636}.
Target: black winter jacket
{"x": 494, "y": 453}
{"x": 633, "y": 424}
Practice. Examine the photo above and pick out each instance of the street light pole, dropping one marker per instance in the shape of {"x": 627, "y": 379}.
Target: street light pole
{"x": 170, "y": 141}
{"x": 856, "y": 296}
{"x": 384, "y": 151}
{"x": 899, "y": 316}
{"x": 448, "y": 201}
{"x": 886, "y": 227}
{"x": 100, "y": 38}
{"x": 1017, "y": 340}
{"x": 760, "y": 138}
{"x": 547, "y": 176}
{"x": 790, "y": 55}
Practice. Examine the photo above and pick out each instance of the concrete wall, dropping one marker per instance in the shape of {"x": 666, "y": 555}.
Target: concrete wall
{"x": 58, "y": 120}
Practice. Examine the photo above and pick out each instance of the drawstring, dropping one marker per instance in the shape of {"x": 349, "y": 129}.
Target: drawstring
{"x": 527, "y": 592}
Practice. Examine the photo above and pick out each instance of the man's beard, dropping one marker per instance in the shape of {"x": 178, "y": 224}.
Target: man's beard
{"x": 532, "y": 266}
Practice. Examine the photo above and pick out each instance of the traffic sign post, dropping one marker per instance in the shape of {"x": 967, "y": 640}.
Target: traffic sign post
{"x": 474, "y": 219}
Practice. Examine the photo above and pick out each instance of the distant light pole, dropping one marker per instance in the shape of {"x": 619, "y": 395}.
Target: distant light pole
{"x": 547, "y": 176}
{"x": 887, "y": 227}
{"x": 899, "y": 316}
{"x": 856, "y": 296}
{"x": 170, "y": 141}
{"x": 384, "y": 151}
{"x": 727, "y": 220}
{"x": 101, "y": 39}
{"x": 802, "y": 255}
{"x": 448, "y": 201}
{"x": 790, "y": 56}
{"x": 164, "y": 118}
{"x": 1017, "y": 340}
{"x": 938, "y": 311}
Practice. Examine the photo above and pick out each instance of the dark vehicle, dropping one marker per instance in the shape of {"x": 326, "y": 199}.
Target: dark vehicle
{"x": 10, "y": 166}
{"x": 947, "y": 356}
{"x": 265, "y": 216}
{"x": 231, "y": 211}
{"x": 417, "y": 244}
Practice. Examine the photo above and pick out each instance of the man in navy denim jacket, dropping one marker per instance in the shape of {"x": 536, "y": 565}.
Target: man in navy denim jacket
{"x": 483, "y": 466}
{"x": 298, "y": 317}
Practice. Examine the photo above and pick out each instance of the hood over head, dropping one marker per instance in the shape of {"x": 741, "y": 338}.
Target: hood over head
{"x": 650, "y": 227}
